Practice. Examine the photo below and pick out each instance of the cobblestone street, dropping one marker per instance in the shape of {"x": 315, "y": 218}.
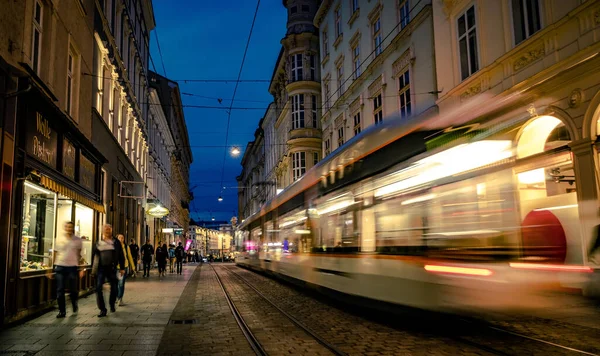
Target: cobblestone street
{"x": 190, "y": 315}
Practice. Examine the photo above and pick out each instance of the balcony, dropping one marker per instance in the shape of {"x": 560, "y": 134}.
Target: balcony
{"x": 304, "y": 136}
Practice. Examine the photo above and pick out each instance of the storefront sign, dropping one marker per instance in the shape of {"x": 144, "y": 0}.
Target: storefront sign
{"x": 158, "y": 211}
{"x": 41, "y": 140}
{"x": 68, "y": 159}
{"x": 178, "y": 231}
{"x": 87, "y": 172}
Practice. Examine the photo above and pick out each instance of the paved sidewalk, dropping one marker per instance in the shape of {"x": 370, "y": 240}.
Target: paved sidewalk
{"x": 135, "y": 329}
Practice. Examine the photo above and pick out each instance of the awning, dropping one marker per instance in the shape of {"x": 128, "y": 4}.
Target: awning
{"x": 61, "y": 189}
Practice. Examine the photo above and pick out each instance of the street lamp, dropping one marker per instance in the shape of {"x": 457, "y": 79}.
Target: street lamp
{"x": 235, "y": 151}
{"x": 220, "y": 198}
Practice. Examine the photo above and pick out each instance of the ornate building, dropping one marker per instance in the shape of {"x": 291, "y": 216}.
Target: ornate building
{"x": 377, "y": 62}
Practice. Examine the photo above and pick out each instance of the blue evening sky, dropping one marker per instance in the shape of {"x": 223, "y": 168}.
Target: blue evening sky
{"x": 205, "y": 39}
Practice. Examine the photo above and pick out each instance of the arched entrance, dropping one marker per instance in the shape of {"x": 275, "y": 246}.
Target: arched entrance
{"x": 547, "y": 191}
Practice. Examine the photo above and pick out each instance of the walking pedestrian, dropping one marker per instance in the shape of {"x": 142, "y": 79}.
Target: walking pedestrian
{"x": 161, "y": 258}
{"x": 107, "y": 255}
{"x": 179, "y": 255}
{"x": 135, "y": 254}
{"x": 67, "y": 254}
{"x": 171, "y": 257}
{"x": 127, "y": 267}
{"x": 147, "y": 252}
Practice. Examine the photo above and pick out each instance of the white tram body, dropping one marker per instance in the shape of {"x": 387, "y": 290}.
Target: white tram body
{"x": 482, "y": 216}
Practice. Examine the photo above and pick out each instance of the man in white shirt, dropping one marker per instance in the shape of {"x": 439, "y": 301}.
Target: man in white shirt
{"x": 67, "y": 254}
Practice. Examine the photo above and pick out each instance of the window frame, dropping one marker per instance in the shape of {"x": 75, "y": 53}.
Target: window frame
{"x": 378, "y": 110}
{"x": 376, "y": 35}
{"x": 296, "y": 68}
{"x": 327, "y": 146}
{"x": 513, "y": 22}
{"x": 402, "y": 92}
{"x": 340, "y": 76}
{"x": 71, "y": 65}
{"x": 327, "y": 94}
{"x": 357, "y": 123}
{"x": 403, "y": 5}
{"x": 315, "y": 158}
{"x": 298, "y": 118}
{"x": 341, "y": 135}
{"x": 338, "y": 21}
{"x": 313, "y": 67}
{"x": 355, "y": 5}
{"x": 315, "y": 118}
{"x": 325, "y": 42}
{"x": 298, "y": 165}
{"x": 356, "y": 60}
{"x": 37, "y": 26}
{"x": 466, "y": 37}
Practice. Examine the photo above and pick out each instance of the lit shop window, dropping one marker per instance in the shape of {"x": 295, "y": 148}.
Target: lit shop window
{"x": 38, "y": 228}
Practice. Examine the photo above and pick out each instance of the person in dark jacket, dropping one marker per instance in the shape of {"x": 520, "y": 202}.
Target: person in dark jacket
{"x": 179, "y": 255}
{"x": 107, "y": 255}
{"x": 161, "y": 258}
{"x": 147, "y": 252}
{"x": 135, "y": 254}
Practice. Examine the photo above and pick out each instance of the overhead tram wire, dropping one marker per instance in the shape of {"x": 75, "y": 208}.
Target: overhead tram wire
{"x": 160, "y": 53}
{"x": 235, "y": 91}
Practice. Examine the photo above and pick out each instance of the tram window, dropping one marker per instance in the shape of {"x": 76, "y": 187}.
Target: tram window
{"x": 399, "y": 227}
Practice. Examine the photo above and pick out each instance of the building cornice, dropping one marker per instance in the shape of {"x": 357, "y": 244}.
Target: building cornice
{"x": 322, "y": 12}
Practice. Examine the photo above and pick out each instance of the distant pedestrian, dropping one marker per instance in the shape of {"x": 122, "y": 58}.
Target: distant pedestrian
{"x": 135, "y": 254}
{"x": 127, "y": 267}
{"x": 161, "y": 259}
{"x": 107, "y": 255}
{"x": 147, "y": 251}
{"x": 171, "y": 257}
{"x": 179, "y": 255}
{"x": 67, "y": 254}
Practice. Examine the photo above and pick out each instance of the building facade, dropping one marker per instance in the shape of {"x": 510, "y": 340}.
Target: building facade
{"x": 181, "y": 157}
{"x": 161, "y": 146}
{"x": 51, "y": 170}
{"x": 290, "y": 141}
{"x": 530, "y": 69}
{"x": 377, "y": 61}
{"x": 120, "y": 116}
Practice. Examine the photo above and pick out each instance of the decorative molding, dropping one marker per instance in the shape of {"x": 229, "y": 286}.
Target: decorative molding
{"x": 448, "y": 6}
{"x": 353, "y": 17}
{"x": 339, "y": 120}
{"x": 529, "y": 57}
{"x": 339, "y": 60}
{"x": 355, "y": 106}
{"x": 472, "y": 91}
{"x": 376, "y": 86}
{"x": 575, "y": 98}
{"x": 338, "y": 40}
{"x": 373, "y": 14}
{"x": 402, "y": 62}
{"x": 354, "y": 40}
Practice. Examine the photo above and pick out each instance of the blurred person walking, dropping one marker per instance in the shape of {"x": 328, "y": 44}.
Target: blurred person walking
{"x": 161, "y": 258}
{"x": 126, "y": 267}
{"x": 147, "y": 252}
{"x": 171, "y": 257}
{"x": 107, "y": 255}
{"x": 135, "y": 254}
{"x": 67, "y": 254}
{"x": 179, "y": 255}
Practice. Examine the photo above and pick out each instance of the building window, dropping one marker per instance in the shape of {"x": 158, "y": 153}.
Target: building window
{"x": 296, "y": 60}
{"x": 294, "y": 10}
{"x": 315, "y": 122}
{"x": 36, "y": 46}
{"x": 313, "y": 72}
{"x": 327, "y": 147}
{"x": 298, "y": 111}
{"x": 341, "y": 135}
{"x": 305, "y": 8}
{"x": 377, "y": 109}
{"x": 340, "y": 77}
{"x": 526, "y": 18}
{"x": 327, "y": 96}
{"x": 338, "y": 22}
{"x": 356, "y": 61}
{"x": 70, "y": 82}
{"x": 315, "y": 158}
{"x": 467, "y": 39}
{"x": 404, "y": 10}
{"x": 100, "y": 98}
{"x": 298, "y": 165}
{"x": 325, "y": 44}
{"x": 357, "y": 126}
{"x": 404, "y": 94}
{"x": 354, "y": 6}
{"x": 377, "y": 37}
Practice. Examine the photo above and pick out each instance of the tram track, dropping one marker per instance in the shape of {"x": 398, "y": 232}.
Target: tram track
{"x": 251, "y": 337}
{"x": 489, "y": 339}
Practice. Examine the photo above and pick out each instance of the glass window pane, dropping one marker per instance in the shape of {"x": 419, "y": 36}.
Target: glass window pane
{"x": 473, "y": 52}
{"x": 471, "y": 17}
{"x": 533, "y": 12}
{"x": 461, "y": 26}
{"x": 39, "y": 211}
{"x": 464, "y": 60}
{"x": 518, "y": 20}
{"x": 84, "y": 227}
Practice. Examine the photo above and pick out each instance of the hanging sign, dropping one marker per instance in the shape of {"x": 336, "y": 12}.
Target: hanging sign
{"x": 41, "y": 139}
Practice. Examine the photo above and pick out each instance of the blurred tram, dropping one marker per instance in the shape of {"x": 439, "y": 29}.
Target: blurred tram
{"x": 479, "y": 216}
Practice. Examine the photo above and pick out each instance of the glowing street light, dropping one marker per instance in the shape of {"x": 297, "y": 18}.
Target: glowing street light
{"x": 235, "y": 151}
{"x": 220, "y": 198}
{"x": 213, "y": 219}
